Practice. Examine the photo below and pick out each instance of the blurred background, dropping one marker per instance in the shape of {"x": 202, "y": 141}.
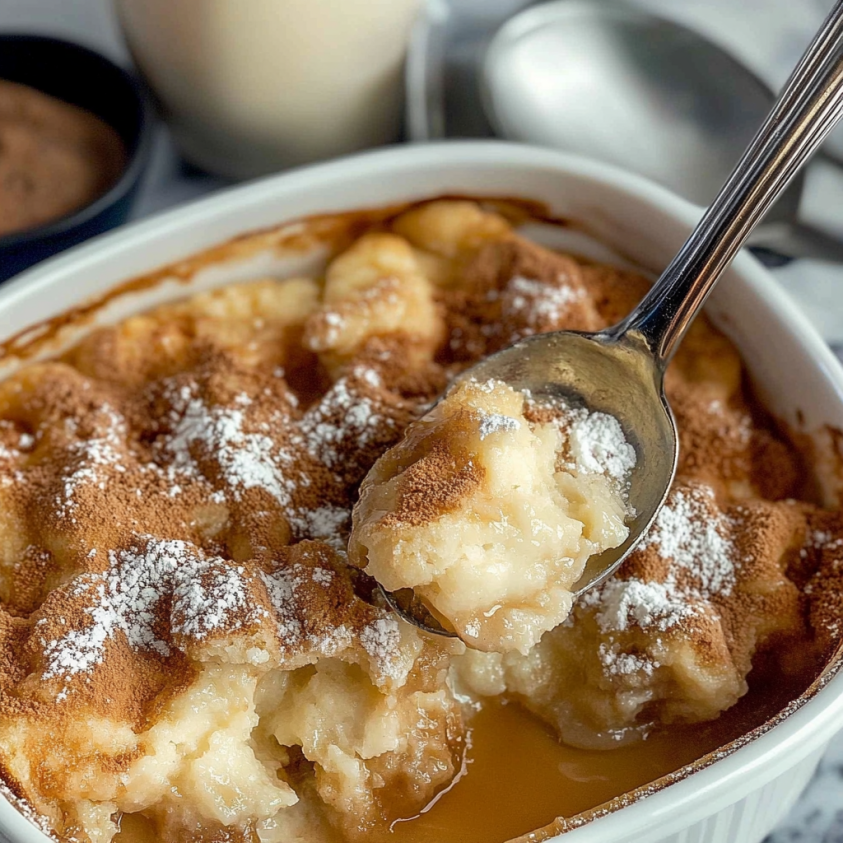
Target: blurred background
{"x": 288, "y": 81}
{"x": 236, "y": 90}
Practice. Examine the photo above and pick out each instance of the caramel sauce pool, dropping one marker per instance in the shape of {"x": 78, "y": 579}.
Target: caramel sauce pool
{"x": 517, "y": 776}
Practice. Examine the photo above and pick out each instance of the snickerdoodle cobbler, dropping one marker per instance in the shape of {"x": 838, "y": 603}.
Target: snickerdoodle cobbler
{"x": 489, "y": 508}
{"x": 192, "y": 646}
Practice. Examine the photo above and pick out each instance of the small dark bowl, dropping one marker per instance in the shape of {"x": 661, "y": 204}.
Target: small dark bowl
{"x": 82, "y": 77}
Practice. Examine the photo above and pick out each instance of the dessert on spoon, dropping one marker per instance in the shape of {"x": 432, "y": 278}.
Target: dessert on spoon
{"x": 616, "y": 373}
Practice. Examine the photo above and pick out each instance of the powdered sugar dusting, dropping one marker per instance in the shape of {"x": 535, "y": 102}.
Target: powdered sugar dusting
{"x": 685, "y": 533}
{"x": 250, "y": 458}
{"x": 646, "y": 604}
{"x": 88, "y": 459}
{"x": 821, "y": 540}
{"x": 207, "y": 594}
{"x": 247, "y": 460}
{"x": 334, "y": 324}
{"x": 283, "y": 588}
{"x": 618, "y": 663}
{"x": 599, "y": 445}
{"x": 495, "y": 423}
{"x": 538, "y": 301}
{"x": 299, "y": 630}
{"x": 702, "y": 565}
{"x": 215, "y": 597}
{"x": 243, "y": 444}
{"x": 361, "y": 422}
{"x": 593, "y": 442}
{"x": 287, "y": 588}
{"x": 381, "y": 640}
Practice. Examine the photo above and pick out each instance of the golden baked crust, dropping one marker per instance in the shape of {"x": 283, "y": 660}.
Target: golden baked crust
{"x": 175, "y": 503}
{"x": 175, "y": 493}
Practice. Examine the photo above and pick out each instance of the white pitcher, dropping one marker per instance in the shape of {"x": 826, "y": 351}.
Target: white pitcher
{"x": 252, "y": 87}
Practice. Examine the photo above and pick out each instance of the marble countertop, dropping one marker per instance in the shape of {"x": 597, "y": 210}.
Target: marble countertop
{"x": 769, "y": 35}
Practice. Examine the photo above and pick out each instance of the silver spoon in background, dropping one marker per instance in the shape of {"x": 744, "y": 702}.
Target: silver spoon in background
{"x": 619, "y": 84}
{"x": 620, "y": 370}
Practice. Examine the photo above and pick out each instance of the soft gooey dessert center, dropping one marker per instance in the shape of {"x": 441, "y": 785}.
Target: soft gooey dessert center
{"x": 185, "y": 612}
{"x": 489, "y": 510}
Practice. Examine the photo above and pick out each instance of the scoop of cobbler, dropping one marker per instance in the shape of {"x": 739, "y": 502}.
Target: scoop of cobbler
{"x": 186, "y": 652}
{"x": 490, "y": 517}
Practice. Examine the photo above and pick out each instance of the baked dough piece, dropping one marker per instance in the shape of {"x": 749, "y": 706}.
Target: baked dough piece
{"x": 670, "y": 638}
{"x": 491, "y": 517}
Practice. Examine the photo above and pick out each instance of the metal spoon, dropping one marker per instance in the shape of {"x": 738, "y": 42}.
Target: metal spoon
{"x": 627, "y": 87}
{"x": 620, "y": 371}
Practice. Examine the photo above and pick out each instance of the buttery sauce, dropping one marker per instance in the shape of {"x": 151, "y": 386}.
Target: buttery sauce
{"x": 517, "y": 777}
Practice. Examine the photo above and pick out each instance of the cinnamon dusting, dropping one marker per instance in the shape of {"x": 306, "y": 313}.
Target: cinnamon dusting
{"x": 177, "y": 490}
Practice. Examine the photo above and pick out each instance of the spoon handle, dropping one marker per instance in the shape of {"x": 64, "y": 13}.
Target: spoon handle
{"x": 808, "y": 108}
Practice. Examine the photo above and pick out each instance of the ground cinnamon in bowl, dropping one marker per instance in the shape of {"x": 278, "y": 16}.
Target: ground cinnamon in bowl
{"x": 54, "y": 157}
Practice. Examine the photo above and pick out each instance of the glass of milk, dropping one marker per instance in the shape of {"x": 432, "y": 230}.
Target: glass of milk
{"x": 252, "y": 87}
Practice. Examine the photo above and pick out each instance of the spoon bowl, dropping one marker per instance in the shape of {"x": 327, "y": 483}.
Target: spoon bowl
{"x": 614, "y": 375}
{"x": 617, "y": 376}
{"x": 619, "y": 84}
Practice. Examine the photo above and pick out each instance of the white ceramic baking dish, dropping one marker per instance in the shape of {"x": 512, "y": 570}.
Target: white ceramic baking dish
{"x": 734, "y": 796}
